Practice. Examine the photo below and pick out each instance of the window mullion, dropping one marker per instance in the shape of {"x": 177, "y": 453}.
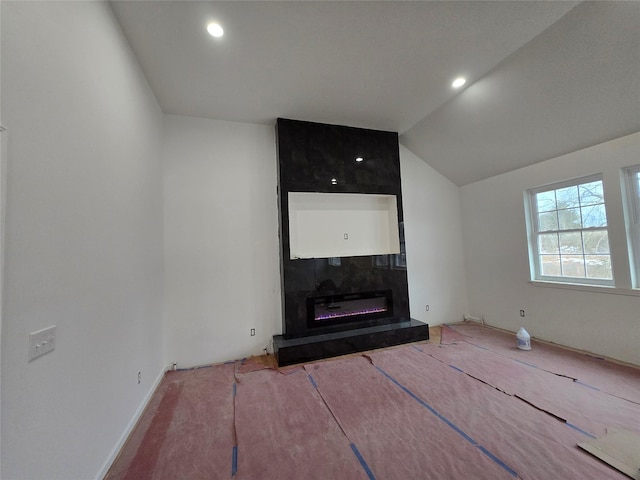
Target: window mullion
{"x": 575, "y": 230}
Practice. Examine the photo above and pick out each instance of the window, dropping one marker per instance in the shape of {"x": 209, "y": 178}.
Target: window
{"x": 568, "y": 235}
{"x": 632, "y": 187}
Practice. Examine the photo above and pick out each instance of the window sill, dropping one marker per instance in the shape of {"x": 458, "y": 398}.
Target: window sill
{"x": 588, "y": 288}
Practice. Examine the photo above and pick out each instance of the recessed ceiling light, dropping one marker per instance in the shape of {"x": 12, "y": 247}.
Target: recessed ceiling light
{"x": 215, "y": 30}
{"x": 458, "y": 82}
{"x": 359, "y": 159}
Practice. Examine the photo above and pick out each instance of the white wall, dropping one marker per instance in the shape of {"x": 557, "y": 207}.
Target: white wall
{"x": 3, "y": 202}
{"x": 221, "y": 244}
{"x": 495, "y": 245}
{"x": 433, "y": 235}
{"x": 83, "y": 238}
{"x": 221, "y": 240}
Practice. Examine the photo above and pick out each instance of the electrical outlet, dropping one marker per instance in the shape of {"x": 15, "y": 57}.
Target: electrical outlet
{"x": 522, "y": 313}
{"x": 139, "y": 377}
{"x": 41, "y": 342}
{"x": 253, "y": 332}
{"x": 427, "y": 308}
{"x": 346, "y": 236}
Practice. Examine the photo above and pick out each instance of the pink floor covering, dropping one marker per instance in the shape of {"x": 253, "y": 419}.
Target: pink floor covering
{"x": 397, "y": 436}
{"x": 618, "y": 380}
{"x": 472, "y": 407}
{"x": 186, "y": 431}
{"x": 284, "y": 430}
{"x": 590, "y": 410}
{"x": 534, "y": 444}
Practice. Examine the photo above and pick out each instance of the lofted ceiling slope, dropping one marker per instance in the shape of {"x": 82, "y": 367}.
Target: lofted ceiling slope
{"x": 574, "y": 86}
{"x": 544, "y": 77}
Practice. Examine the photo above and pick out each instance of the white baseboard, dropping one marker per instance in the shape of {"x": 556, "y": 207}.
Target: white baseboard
{"x": 136, "y": 416}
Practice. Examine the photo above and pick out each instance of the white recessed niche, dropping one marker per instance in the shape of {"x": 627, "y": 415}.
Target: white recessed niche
{"x": 325, "y": 225}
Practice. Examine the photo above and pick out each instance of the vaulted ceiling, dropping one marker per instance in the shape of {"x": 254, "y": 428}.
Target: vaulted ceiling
{"x": 543, "y": 78}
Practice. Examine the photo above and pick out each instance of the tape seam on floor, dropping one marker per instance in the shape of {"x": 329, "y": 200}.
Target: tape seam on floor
{"x": 457, "y": 429}
{"x": 362, "y": 461}
{"x": 234, "y": 460}
{"x": 355, "y": 450}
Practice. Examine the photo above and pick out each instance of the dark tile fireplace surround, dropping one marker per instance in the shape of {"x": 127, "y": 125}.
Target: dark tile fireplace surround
{"x": 334, "y": 306}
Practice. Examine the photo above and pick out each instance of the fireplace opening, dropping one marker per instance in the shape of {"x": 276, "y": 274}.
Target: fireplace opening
{"x": 349, "y": 308}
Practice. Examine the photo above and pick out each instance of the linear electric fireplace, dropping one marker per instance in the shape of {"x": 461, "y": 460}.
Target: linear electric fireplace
{"x": 349, "y": 308}
{"x": 344, "y": 278}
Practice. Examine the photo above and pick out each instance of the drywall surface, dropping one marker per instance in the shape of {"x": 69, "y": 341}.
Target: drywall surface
{"x": 433, "y": 236}
{"x": 3, "y": 202}
{"x": 601, "y": 321}
{"x": 221, "y": 240}
{"x": 342, "y": 224}
{"x": 83, "y": 238}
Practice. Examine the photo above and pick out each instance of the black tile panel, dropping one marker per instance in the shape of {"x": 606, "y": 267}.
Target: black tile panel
{"x": 310, "y": 155}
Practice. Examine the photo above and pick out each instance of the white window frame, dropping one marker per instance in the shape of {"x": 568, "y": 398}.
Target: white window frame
{"x": 533, "y": 232}
{"x": 632, "y": 216}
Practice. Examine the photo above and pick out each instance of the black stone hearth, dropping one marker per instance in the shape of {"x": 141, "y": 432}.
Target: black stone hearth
{"x": 316, "y": 347}
{"x": 365, "y": 298}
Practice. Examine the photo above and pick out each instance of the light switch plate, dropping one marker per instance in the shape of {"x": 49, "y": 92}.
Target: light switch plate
{"x": 41, "y": 342}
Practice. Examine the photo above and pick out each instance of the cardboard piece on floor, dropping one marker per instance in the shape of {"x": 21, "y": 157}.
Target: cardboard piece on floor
{"x": 620, "y": 449}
